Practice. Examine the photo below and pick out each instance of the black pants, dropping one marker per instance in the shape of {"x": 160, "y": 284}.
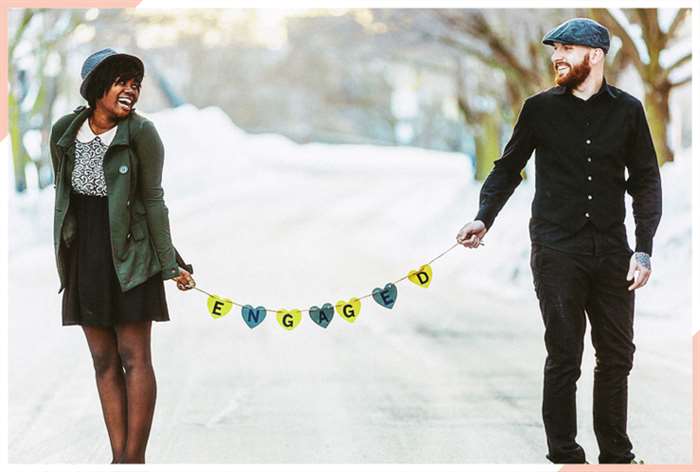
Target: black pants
{"x": 568, "y": 286}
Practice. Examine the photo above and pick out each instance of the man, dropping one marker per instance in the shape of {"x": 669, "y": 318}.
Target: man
{"x": 586, "y": 133}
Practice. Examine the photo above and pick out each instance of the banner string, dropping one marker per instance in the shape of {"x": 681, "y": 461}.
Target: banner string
{"x": 359, "y": 298}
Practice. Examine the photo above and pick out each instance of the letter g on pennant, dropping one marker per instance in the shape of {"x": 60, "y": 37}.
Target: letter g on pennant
{"x": 349, "y": 310}
{"x": 289, "y": 319}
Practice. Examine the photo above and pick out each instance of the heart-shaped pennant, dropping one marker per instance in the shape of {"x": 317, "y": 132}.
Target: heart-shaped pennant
{"x": 322, "y": 316}
{"x": 421, "y": 277}
{"x": 289, "y": 319}
{"x": 253, "y": 316}
{"x": 349, "y": 310}
{"x": 386, "y": 296}
{"x": 218, "y": 306}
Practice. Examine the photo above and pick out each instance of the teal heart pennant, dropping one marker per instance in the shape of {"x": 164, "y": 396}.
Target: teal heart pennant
{"x": 253, "y": 316}
{"x": 387, "y": 296}
{"x": 322, "y": 316}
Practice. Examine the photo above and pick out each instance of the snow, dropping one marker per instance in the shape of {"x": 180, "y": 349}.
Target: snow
{"x": 270, "y": 222}
{"x": 414, "y": 192}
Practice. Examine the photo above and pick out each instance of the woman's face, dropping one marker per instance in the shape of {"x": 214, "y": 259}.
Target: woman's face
{"x": 120, "y": 97}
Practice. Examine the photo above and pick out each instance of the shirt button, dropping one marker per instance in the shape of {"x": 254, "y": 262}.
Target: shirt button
{"x": 588, "y": 215}
{"x": 590, "y": 197}
{"x": 588, "y": 141}
{"x": 590, "y": 177}
{"x": 588, "y": 123}
{"x": 123, "y": 169}
{"x": 589, "y": 159}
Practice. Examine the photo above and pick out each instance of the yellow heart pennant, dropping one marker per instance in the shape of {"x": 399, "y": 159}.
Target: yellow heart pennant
{"x": 289, "y": 319}
{"x": 421, "y": 277}
{"x": 349, "y": 310}
{"x": 218, "y": 306}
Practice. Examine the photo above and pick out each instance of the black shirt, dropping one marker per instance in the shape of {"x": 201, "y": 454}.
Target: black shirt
{"x": 588, "y": 240}
{"x": 582, "y": 149}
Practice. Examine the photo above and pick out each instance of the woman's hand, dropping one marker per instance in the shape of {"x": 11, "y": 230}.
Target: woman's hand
{"x": 184, "y": 281}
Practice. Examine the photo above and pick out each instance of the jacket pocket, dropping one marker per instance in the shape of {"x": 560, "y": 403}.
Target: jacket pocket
{"x": 138, "y": 231}
{"x": 138, "y": 207}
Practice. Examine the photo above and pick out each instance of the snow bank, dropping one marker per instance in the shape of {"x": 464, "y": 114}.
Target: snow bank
{"x": 405, "y": 204}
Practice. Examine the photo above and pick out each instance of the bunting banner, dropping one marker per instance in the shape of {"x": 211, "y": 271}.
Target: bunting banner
{"x": 322, "y": 315}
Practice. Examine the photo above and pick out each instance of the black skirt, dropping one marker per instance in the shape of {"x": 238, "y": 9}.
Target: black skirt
{"x": 92, "y": 295}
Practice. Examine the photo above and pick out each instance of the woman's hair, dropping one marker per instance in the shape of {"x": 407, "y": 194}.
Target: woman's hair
{"x": 106, "y": 74}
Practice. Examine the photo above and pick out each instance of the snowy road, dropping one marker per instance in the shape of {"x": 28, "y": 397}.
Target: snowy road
{"x": 452, "y": 374}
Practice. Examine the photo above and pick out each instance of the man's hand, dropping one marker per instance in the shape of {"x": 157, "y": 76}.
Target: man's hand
{"x": 471, "y": 234}
{"x": 184, "y": 281}
{"x": 640, "y": 263}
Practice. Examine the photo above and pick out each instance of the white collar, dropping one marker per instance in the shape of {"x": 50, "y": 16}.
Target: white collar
{"x": 85, "y": 134}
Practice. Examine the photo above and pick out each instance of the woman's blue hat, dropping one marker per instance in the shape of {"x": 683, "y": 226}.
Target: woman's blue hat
{"x": 98, "y": 58}
{"x": 580, "y": 31}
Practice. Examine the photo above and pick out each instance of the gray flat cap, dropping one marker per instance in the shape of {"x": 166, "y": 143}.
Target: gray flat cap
{"x": 98, "y": 58}
{"x": 580, "y": 31}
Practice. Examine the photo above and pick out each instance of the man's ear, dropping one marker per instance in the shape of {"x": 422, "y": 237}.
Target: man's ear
{"x": 596, "y": 55}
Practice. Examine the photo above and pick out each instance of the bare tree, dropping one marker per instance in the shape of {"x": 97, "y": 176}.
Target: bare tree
{"x": 41, "y": 34}
{"x": 645, "y": 57}
{"x": 507, "y": 45}
{"x": 498, "y": 65}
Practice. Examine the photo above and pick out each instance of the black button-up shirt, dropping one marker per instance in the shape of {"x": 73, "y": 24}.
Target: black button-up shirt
{"x": 582, "y": 150}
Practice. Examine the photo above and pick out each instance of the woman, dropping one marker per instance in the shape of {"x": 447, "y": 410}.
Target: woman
{"x": 112, "y": 241}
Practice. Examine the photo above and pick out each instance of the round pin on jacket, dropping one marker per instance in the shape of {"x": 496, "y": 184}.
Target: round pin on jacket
{"x": 123, "y": 169}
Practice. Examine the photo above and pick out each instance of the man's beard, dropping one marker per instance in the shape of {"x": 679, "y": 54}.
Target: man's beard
{"x": 576, "y": 75}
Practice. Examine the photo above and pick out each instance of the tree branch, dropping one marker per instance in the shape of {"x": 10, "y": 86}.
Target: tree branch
{"x": 480, "y": 28}
{"x": 677, "y": 22}
{"x": 466, "y": 49}
{"x": 680, "y": 61}
{"x": 605, "y": 17}
{"x": 26, "y": 18}
{"x": 649, "y": 21}
{"x": 681, "y": 82}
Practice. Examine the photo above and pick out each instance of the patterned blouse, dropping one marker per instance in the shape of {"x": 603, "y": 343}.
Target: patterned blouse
{"x": 88, "y": 176}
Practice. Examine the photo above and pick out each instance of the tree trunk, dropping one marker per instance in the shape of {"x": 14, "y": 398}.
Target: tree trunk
{"x": 658, "y": 116}
{"x": 19, "y": 154}
{"x": 487, "y": 144}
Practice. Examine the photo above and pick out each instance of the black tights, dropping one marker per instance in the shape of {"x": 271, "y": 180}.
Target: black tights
{"x": 126, "y": 384}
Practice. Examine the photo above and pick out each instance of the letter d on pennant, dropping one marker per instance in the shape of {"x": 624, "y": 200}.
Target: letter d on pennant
{"x": 421, "y": 277}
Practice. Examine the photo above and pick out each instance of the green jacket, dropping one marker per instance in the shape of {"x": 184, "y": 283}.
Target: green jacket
{"x": 138, "y": 217}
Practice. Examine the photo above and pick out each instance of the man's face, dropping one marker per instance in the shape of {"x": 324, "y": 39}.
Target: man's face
{"x": 571, "y": 64}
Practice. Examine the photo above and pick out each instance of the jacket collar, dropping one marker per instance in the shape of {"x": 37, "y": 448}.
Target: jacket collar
{"x": 68, "y": 136}
{"x": 605, "y": 87}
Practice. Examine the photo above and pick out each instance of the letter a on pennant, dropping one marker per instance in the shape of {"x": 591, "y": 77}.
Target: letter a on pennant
{"x": 321, "y": 316}
{"x": 421, "y": 277}
{"x": 289, "y": 319}
{"x": 218, "y": 306}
